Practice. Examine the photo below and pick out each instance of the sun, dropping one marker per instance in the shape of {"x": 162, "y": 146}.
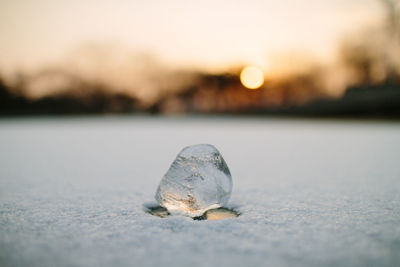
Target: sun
{"x": 252, "y": 77}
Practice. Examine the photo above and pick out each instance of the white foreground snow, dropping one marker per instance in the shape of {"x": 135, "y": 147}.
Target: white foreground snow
{"x": 310, "y": 193}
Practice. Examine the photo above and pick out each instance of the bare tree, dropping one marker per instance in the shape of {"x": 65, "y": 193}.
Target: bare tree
{"x": 393, "y": 31}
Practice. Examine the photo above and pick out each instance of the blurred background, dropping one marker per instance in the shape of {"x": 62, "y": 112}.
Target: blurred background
{"x": 338, "y": 58}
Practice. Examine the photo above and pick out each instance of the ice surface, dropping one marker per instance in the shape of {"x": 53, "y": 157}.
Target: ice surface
{"x": 310, "y": 193}
{"x": 198, "y": 180}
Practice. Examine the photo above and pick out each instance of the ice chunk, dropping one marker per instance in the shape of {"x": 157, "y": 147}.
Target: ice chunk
{"x": 198, "y": 180}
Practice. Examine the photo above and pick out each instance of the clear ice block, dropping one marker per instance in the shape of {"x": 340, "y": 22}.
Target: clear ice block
{"x": 198, "y": 180}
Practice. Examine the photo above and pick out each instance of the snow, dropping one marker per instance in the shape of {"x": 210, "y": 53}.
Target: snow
{"x": 310, "y": 192}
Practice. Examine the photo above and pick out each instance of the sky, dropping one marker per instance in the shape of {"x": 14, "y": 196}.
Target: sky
{"x": 207, "y": 34}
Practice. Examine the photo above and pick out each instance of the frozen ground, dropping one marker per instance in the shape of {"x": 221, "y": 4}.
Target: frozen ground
{"x": 311, "y": 193}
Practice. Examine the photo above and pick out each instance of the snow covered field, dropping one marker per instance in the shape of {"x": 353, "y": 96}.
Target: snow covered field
{"x": 310, "y": 193}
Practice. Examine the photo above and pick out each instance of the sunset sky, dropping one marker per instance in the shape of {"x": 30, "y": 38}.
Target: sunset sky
{"x": 208, "y": 34}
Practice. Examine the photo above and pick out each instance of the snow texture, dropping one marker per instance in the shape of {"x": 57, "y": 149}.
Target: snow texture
{"x": 310, "y": 193}
{"x": 198, "y": 180}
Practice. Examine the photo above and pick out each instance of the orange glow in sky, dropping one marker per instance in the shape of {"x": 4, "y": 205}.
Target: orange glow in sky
{"x": 207, "y": 34}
